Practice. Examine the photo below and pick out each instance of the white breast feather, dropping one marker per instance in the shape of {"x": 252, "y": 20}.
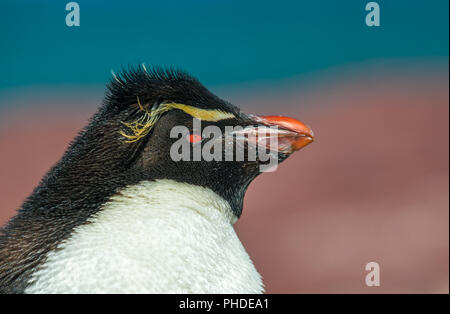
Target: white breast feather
{"x": 155, "y": 237}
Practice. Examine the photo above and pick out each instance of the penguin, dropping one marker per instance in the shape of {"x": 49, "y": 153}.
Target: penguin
{"x": 121, "y": 213}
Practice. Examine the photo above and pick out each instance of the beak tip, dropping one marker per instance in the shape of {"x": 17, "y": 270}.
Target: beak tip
{"x": 302, "y": 142}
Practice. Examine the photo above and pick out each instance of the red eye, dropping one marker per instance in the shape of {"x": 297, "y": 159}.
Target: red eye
{"x": 195, "y": 138}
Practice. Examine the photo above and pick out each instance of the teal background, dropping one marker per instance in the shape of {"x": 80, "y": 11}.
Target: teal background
{"x": 221, "y": 42}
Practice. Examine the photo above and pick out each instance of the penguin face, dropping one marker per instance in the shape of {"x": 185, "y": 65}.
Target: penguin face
{"x": 179, "y": 130}
{"x": 131, "y": 141}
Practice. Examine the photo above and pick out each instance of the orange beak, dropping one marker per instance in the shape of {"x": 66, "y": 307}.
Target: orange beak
{"x": 292, "y": 134}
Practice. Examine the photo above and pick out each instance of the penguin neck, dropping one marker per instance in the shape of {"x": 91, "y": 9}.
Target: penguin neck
{"x": 157, "y": 236}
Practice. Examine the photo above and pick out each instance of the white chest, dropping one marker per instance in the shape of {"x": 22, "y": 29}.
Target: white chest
{"x": 156, "y": 237}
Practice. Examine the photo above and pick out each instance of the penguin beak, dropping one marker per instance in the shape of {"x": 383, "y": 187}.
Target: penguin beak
{"x": 279, "y": 134}
{"x": 292, "y": 134}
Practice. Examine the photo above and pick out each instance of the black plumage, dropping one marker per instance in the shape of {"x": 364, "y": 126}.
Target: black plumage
{"x": 99, "y": 163}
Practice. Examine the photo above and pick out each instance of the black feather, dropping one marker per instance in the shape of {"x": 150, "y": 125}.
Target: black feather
{"x": 99, "y": 163}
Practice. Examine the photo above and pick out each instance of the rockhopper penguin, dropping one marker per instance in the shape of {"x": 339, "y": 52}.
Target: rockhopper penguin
{"x": 117, "y": 214}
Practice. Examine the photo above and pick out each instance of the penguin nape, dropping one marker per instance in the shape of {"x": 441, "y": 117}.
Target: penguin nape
{"x": 117, "y": 214}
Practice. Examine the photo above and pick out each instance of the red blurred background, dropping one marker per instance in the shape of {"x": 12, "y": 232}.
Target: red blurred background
{"x": 373, "y": 187}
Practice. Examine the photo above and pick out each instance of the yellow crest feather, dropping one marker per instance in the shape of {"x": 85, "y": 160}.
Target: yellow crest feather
{"x": 142, "y": 126}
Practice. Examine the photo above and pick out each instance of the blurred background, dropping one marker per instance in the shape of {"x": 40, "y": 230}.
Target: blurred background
{"x": 374, "y": 185}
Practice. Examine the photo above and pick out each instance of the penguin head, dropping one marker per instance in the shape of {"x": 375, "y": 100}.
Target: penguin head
{"x": 169, "y": 126}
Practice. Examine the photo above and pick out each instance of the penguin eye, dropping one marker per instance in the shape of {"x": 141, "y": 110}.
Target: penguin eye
{"x": 194, "y": 138}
